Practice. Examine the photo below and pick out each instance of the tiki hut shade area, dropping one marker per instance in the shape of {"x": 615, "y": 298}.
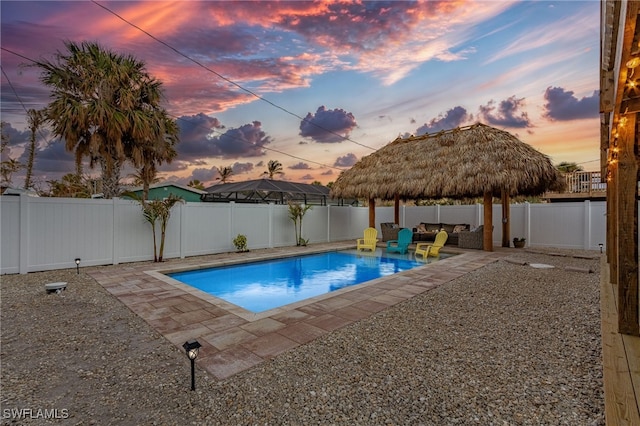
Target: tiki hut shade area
{"x": 466, "y": 162}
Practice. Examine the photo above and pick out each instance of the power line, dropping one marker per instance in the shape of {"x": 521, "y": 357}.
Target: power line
{"x": 249, "y": 143}
{"x": 13, "y": 89}
{"x": 227, "y": 79}
{"x": 177, "y": 118}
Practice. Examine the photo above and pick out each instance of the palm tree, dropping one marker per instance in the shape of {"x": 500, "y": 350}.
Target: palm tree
{"x": 9, "y": 165}
{"x": 36, "y": 119}
{"x": 566, "y": 167}
{"x": 296, "y": 213}
{"x": 225, "y": 173}
{"x": 195, "y": 183}
{"x": 274, "y": 167}
{"x": 71, "y": 185}
{"x": 106, "y": 107}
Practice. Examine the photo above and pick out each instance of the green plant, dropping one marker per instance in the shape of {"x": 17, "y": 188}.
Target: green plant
{"x": 240, "y": 242}
{"x": 296, "y": 213}
{"x": 154, "y": 210}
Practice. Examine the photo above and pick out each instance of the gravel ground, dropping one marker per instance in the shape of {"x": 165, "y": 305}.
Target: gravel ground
{"x": 505, "y": 345}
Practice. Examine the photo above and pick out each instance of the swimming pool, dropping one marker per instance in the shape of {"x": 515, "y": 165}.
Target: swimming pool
{"x": 264, "y": 285}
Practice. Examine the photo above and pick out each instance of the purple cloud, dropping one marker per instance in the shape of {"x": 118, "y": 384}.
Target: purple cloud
{"x": 453, "y": 118}
{"x": 507, "y": 114}
{"x": 197, "y": 140}
{"x": 328, "y": 126}
{"x": 346, "y": 160}
{"x": 300, "y": 166}
{"x": 204, "y": 175}
{"x": 241, "y": 168}
{"x": 562, "y": 105}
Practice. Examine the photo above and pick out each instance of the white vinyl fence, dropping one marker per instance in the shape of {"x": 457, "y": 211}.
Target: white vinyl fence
{"x": 39, "y": 234}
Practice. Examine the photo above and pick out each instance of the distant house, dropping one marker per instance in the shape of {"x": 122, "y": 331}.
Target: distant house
{"x": 162, "y": 190}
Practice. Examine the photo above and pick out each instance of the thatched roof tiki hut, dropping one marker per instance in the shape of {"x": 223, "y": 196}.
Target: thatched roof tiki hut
{"x": 466, "y": 162}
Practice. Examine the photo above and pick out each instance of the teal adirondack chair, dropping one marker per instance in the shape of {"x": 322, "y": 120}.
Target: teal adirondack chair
{"x": 401, "y": 245}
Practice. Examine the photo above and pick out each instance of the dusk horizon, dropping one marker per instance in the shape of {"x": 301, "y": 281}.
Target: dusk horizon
{"x": 319, "y": 85}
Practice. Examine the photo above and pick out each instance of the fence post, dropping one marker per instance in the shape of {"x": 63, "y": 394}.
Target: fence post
{"x": 587, "y": 224}
{"x": 24, "y": 234}
{"x": 328, "y": 223}
{"x": 271, "y": 204}
{"x": 527, "y": 222}
{"x": 232, "y": 213}
{"x": 183, "y": 226}
{"x": 114, "y": 243}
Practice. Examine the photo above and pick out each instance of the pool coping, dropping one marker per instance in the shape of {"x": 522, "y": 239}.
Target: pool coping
{"x": 250, "y": 316}
{"x": 233, "y": 341}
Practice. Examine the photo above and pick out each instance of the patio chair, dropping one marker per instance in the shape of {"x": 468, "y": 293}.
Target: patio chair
{"x": 472, "y": 239}
{"x": 401, "y": 245}
{"x": 426, "y": 250}
{"x": 389, "y": 231}
{"x": 369, "y": 241}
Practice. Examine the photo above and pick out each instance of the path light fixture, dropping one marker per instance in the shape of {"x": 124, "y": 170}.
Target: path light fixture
{"x": 78, "y": 265}
{"x": 600, "y": 247}
{"x": 191, "y": 347}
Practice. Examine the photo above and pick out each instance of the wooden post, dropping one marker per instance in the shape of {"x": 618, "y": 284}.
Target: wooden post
{"x": 372, "y": 212}
{"x": 506, "y": 215}
{"x": 628, "y": 320}
{"x": 612, "y": 223}
{"x": 488, "y": 222}
{"x": 396, "y": 209}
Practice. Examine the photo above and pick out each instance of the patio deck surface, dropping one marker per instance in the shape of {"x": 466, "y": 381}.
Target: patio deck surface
{"x": 233, "y": 339}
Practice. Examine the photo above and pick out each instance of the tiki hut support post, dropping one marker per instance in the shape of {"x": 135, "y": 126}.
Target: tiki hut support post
{"x": 372, "y": 212}
{"x": 506, "y": 213}
{"x": 488, "y": 222}
{"x": 396, "y": 209}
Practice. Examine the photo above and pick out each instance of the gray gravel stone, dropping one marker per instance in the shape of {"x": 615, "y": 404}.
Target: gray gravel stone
{"x": 505, "y": 345}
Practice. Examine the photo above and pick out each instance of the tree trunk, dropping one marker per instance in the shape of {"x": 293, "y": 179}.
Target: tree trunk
{"x": 110, "y": 178}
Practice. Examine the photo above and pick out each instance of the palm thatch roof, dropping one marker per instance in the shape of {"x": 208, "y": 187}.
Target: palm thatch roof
{"x": 460, "y": 163}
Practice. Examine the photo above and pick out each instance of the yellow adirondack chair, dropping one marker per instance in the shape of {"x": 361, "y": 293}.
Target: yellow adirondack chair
{"x": 426, "y": 250}
{"x": 369, "y": 241}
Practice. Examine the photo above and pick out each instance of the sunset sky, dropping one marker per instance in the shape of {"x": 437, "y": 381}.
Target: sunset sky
{"x": 319, "y": 85}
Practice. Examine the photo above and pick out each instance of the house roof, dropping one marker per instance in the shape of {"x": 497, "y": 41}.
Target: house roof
{"x": 267, "y": 190}
{"x": 165, "y": 184}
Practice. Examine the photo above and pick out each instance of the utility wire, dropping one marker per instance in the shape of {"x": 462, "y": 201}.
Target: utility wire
{"x": 178, "y": 118}
{"x": 13, "y": 89}
{"x": 249, "y": 143}
{"x": 227, "y": 79}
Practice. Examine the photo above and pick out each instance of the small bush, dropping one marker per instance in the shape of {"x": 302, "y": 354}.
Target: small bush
{"x": 240, "y": 242}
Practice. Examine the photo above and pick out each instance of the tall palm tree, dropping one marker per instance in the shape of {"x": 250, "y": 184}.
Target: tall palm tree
{"x": 9, "y": 165}
{"x": 148, "y": 154}
{"x": 106, "y": 107}
{"x": 274, "y": 167}
{"x": 225, "y": 173}
{"x": 35, "y": 119}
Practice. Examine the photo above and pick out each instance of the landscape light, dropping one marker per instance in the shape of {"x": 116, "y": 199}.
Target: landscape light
{"x": 191, "y": 347}
{"x": 78, "y": 265}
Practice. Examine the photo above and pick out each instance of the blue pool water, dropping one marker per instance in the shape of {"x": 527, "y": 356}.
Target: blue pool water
{"x": 264, "y": 285}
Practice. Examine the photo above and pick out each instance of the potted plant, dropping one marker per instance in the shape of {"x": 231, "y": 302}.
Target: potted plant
{"x": 518, "y": 242}
{"x": 240, "y": 242}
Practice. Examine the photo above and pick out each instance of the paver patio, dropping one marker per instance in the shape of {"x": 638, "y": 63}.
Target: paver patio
{"x": 233, "y": 339}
